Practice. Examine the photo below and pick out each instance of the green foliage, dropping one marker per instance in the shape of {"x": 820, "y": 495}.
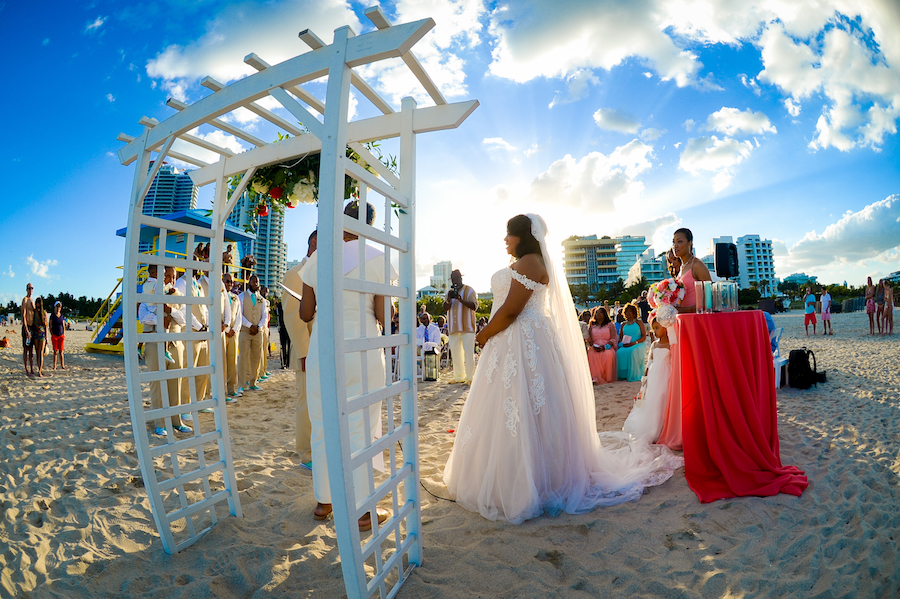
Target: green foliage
{"x": 749, "y": 297}
{"x": 434, "y": 305}
{"x": 82, "y": 307}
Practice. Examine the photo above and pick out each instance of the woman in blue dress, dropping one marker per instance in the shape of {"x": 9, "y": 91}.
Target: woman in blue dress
{"x": 630, "y": 355}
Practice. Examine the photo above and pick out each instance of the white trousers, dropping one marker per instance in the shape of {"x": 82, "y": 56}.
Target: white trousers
{"x": 462, "y": 349}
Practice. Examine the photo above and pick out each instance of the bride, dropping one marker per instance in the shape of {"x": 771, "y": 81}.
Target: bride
{"x": 527, "y": 438}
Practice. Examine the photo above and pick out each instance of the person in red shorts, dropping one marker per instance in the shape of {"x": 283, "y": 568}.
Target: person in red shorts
{"x": 58, "y": 334}
{"x": 810, "y": 303}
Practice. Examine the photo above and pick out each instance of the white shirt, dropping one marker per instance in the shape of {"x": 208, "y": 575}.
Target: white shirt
{"x": 147, "y": 311}
{"x": 826, "y": 302}
{"x": 246, "y": 323}
{"x": 429, "y": 338}
{"x": 196, "y": 291}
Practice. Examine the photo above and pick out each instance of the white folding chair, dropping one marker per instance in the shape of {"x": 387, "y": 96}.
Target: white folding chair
{"x": 777, "y": 360}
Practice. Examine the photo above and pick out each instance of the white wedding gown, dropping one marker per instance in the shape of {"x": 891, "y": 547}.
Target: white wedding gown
{"x": 646, "y": 418}
{"x": 527, "y": 437}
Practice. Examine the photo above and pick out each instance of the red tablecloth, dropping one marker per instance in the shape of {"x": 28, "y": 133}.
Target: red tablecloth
{"x": 729, "y": 420}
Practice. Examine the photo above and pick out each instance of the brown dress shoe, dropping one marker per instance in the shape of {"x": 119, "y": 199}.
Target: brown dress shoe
{"x": 365, "y": 523}
{"x": 322, "y": 511}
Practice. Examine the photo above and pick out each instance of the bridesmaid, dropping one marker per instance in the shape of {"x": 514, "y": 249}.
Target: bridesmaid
{"x": 630, "y": 355}
{"x": 691, "y": 269}
{"x": 602, "y": 348}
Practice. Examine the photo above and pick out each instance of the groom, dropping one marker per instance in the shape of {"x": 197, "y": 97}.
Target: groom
{"x": 460, "y": 305}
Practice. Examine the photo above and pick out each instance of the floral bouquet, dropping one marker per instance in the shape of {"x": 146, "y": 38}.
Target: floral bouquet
{"x": 665, "y": 296}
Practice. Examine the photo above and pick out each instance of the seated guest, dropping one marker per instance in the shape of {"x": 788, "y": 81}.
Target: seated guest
{"x": 770, "y": 325}
{"x": 442, "y": 325}
{"x": 584, "y": 319}
{"x": 602, "y": 348}
{"x": 630, "y": 354}
{"x": 428, "y": 335}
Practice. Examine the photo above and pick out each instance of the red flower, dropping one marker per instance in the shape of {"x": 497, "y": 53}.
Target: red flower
{"x": 276, "y": 192}
{"x": 263, "y": 210}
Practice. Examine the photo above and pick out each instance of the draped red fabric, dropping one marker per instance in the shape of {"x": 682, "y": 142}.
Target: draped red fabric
{"x": 729, "y": 419}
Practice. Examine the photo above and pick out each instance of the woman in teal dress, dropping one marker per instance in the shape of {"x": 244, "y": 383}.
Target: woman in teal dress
{"x": 630, "y": 355}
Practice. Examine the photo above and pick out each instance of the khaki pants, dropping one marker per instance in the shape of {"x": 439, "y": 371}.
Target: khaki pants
{"x": 173, "y": 386}
{"x": 230, "y": 352}
{"x": 200, "y": 357}
{"x": 462, "y": 349}
{"x": 264, "y": 352}
{"x": 248, "y": 356}
{"x": 303, "y": 426}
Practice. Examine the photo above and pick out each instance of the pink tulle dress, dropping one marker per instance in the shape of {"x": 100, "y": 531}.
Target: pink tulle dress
{"x": 603, "y": 363}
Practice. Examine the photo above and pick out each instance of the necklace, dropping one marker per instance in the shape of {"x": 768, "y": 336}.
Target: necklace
{"x": 685, "y": 265}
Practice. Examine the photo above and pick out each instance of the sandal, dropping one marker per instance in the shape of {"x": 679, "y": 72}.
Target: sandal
{"x": 322, "y": 511}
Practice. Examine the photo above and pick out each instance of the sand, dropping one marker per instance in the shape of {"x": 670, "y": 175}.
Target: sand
{"x": 76, "y": 519}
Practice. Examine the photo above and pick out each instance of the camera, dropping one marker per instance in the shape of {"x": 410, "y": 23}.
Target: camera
{"x": 454, "y": 291}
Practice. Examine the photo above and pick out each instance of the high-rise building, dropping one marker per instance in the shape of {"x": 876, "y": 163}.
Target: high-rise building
{"x": 756, "y": 264}
{"x": 441, "y": 278}
{"x": 268, "y": 248}
{"x": 590, "y": 260}
{"x": 628, "y": 250}
{"x": 171, "y": 191}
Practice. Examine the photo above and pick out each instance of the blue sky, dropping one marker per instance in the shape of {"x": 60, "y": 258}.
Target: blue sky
{"x": 606, "y": 117}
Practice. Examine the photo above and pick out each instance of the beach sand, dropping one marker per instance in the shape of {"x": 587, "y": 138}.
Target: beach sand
{"x": 76, "y": 519}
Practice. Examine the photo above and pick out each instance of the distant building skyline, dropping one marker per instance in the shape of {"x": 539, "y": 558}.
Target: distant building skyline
{"x": 171, "y": 191}
{"x": 268, "y": 248}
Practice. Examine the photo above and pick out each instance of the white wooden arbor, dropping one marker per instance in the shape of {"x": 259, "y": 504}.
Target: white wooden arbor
{"x": 188, "y": 479}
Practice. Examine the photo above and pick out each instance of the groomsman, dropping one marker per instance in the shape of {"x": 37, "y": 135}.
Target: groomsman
{"x": 230, "y": 329}
{"x": 173, "y": 321}
{"x": 264, "y": 329}
{"x": 299, "y": 332}
{"x": 200, "y": 352}
{"x": 252, "y": 320}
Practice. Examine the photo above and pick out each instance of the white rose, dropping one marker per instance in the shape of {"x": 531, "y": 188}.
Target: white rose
{"x": 303, "y": 192}
{"x": 260, "y": 187}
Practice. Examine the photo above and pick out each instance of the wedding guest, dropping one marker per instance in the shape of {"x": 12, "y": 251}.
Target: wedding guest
{"x": 809, "y": 303}
{"x": 39, "y": 334}
{"x": 199, "y": 351}
{"x": 826, "y": 312}
{"x": 630, "y": 354}
{"x": 428, "y": 335}
{"x": 228, "y": 258}
{"x": 58, "y": 334}
{"x": 442, "y": 325}
{"x": 888, "y": 314}
{"x": 373, "y": 319}
{"x": 870, "y": 305}
{"x": 673, "y": 263}
{"x": 645, "y": 421}
{"x": 691, "y": 269}
{"x": 879, "y": 306}
{"x": 27, "y": 311}
{"x": 602, "y": 348}
{"x": 584, "y": 321}
{"x": 460, "y": 305}
{"x": 644, "y": 307}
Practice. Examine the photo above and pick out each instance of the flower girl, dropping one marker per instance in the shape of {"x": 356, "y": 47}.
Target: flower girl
{"x": 646, "y": 418}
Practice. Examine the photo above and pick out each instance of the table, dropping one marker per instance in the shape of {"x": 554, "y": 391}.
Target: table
{"x": 728, "y": 411}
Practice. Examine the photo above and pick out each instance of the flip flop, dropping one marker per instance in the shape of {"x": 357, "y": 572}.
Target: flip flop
{"x": 323, "y": 511}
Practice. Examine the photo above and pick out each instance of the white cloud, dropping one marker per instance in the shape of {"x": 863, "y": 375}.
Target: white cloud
{"x": 110, "y": 98}
{"x": 616, "y": 120}
{"x": 531, "y": 151}
{"x": 792, "y": 107}
{"x": 751, "y": 84}
{"x": 579, "y": 83}
{"x": 8, "y": 273}
{"x": 732, "y": 121}
{"x": 95, "y": 24}
{"x": 651, "y": 134}
{"x": 653, "y": 230}
{"x": 244, "y": 28}
{"x": 40, "y": 269}
{"x": 596, "y": 181}
{"x": 458, "y": 28}
{"x": 556, "y": 39}
{"x": 715, "y": 155}
{"x": 497, "y": 143}
{"x": 855, "y": 237}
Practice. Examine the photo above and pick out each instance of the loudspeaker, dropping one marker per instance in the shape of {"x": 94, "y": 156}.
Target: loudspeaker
{"x": 726, "y": 260}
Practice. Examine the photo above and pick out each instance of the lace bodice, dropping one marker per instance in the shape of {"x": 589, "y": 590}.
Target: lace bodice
{"x": 501, "y": 283}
